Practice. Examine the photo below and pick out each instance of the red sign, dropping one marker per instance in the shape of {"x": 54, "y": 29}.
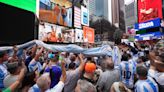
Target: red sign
{"x": 89, "y": 34}
{"x": 149, "y": 9}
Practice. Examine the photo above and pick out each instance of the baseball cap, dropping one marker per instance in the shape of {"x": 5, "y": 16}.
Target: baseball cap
{"x": 90, "y": 67}
{"x": 51, "y": 56}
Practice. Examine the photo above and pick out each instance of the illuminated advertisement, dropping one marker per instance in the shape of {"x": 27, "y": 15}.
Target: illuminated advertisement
{"x": 85, "y": 3}
{"x": 84, "y": 16}
{"x": 77, "y": 17}
{"x": 149, "y": 24}
{"x": 149, "y": 9}
{"x": 89, "y": 34}
{"x": 56, "y": 12}
{"x": 79, "y": 37}
{"x": 29, "y": 5}
{"x": 54, "y": 33}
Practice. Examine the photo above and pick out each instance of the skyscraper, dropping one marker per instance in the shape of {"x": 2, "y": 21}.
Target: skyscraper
{"x": 111, "y": 10}
{"x": 130, "y": 15}
{"x": 118, "y": 11}
{"x": 98, "y": 8}
{"x": 92, "y": 7}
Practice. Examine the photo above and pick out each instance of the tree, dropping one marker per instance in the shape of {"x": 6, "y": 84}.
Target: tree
{"x": 104, "y": 28}
{"x": 117, "y": 36}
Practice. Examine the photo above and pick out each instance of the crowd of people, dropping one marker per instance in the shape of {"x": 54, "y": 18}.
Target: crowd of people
{"x": 140, "y": 69}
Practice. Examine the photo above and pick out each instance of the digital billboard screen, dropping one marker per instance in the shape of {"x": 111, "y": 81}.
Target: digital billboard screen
{"x": 77, "y": 17}
{"x": 84, "y": 16}
{"x": 79, "y": 35}
{"x": 29, "y": 5}
{"x": 55, "y": 33}
{"x": 18, "y": 26}
{"x": 56, "y": 12}
{"x": 89, "y": 34}
{"x": 149, "y": 9}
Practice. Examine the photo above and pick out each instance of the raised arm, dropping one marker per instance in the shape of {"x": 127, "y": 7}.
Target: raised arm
{"x": 38, "y": 54}
{"x": 34, "y": 51}
{"x": 82, "y": 63}
{"x": 63, "y": 78}
{"x": 19, "y": 80}
{"x": 15, "y": 52}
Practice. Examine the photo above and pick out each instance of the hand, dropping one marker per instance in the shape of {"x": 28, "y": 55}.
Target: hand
{"x": 15, "y": 48}
{"x": 24, "y": 51}
{"x": 62, "y": 63}
{"x": 81, "y": 56}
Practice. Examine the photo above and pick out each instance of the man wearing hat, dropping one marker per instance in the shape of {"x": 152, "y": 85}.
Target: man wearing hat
{"x": 87, "y": 79}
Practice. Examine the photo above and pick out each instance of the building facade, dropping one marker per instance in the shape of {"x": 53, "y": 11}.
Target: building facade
{"x": 130, "y": 16}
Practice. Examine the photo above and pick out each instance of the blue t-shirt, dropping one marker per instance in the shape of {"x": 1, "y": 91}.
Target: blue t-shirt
{"x": 57, "y": 72}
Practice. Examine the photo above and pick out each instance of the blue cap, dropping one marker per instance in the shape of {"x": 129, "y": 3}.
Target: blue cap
{"x": 50, "y": 56}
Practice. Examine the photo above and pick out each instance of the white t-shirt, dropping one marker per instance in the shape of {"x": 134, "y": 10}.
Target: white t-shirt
{"x": 58, "y": 88}
{"x": 159, "y": 76}
{"x": 152, "y": 73}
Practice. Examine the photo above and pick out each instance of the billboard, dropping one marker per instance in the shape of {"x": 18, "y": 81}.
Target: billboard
{"x": 79, "y": 37}
{"x": 149, "y": 24}
{"x": 89, "y": 34}
{"x": 149, "y": 9}
{"x": 56, "y": 12}
{"x": 29, "y": 5}
{"x": 54, "y": 33}
{"x": 77, "y": 17}
{"x": 18, "y": 26}
{"x": 85, "y": 3}
{"x": 84, "y": 16}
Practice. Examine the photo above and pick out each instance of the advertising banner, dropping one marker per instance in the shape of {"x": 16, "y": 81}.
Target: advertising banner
{"x": 148, "y": 36}
{"x": 84, "y": 16}
{"x": 77, "y": 17}
{"x": 29, "y": 5}
{"x": 149, "y": 9}
{"x": 56, "y": 11}
{"x": 149, "y": 24}
{"x": 85, "y": 3}
{"x": 89, "y": 34}
{"x": 79, "y": 37}
{"x": 54, "y": 33}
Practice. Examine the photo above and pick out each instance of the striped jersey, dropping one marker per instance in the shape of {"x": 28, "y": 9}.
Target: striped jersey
{"x": 35, "y": 65}
{"x": 116, "y": 56}
{"x": 127, "y": 71}
{"x": 148, "y": 85}
{"x": 3, "y": 74}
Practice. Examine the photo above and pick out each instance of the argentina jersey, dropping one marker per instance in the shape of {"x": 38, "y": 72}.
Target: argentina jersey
{"x": 148, "y": 85}
{"x": 127, "y": 72}
{"x": 116, "y": 56}
{"x": 133, "y": 62}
